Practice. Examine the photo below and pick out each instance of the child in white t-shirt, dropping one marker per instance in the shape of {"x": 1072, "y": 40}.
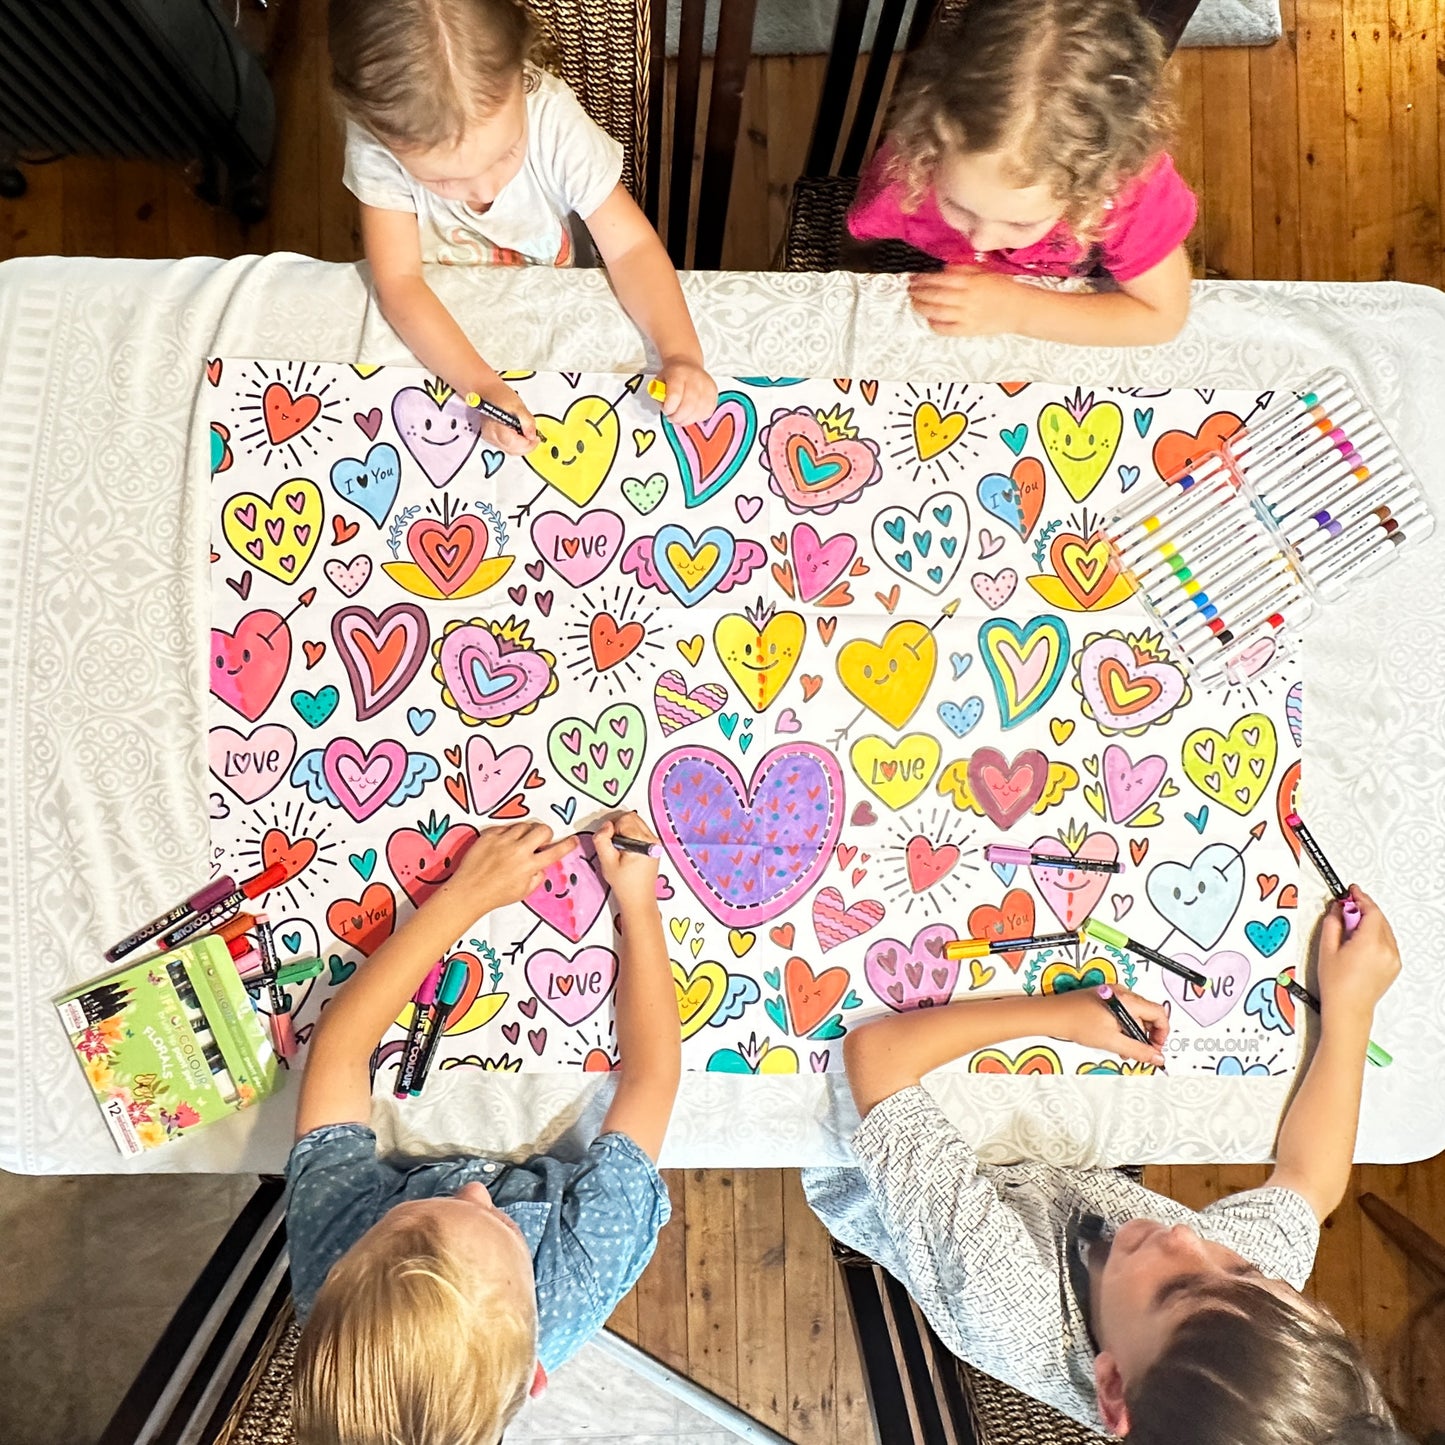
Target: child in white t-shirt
{"x": 462, "y": 152}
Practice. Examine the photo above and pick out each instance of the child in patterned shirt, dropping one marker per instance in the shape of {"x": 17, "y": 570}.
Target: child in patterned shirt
{"x": 435, "y": 1296}
{"x": 1123, "y": 1309}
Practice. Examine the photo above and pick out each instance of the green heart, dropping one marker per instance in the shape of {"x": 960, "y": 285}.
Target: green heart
{"x": 815, "y": 474}
{"x": 315, "y": 707}
{"x": 1090, "y": 978}
{"x": 340, "y": 971}
{"x": 830, "y": 1028}
{"x": 601, "y": 759}
{"x": 645, "y": 495}
{"x": 774, "y": 1007}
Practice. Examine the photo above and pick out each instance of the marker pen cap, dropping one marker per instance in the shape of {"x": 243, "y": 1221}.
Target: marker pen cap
{"x": 273, "y": 877}
{"x": 966, "y": 948}
{"x": 1003, "y": 853}
{"x": 249, "y": 962}
{"x": 454, "y": 980}
{"x": 238, "y": 947}
{"x": 1104, "y": 933}
{"x": 213, "y": 892}
{"x": 426, "y": 995}
{"x": 235, "y": 927}
{"x": 299, "y": 972}
{"x": 283, "y": 1036}
{"x": 1377, "y": 1056}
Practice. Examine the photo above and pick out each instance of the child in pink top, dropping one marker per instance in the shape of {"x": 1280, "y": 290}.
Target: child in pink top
{"x": 1028, "y": 141}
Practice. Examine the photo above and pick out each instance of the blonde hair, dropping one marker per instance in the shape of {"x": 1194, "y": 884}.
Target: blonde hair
{"x": 405, "y": 1346}
{"x": 418, "y": 73}
{"x": 1070, "y": 90}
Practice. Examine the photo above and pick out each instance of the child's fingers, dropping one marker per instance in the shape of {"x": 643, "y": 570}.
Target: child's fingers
{"x": 1332, "y": 928}
{"x": 633, "y": 826}
{"x": 1128, "y": 1048}
{"x": 556, "y": 852}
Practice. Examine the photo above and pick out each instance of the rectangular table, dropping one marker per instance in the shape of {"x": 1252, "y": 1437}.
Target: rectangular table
{"x": 105, "y": 603}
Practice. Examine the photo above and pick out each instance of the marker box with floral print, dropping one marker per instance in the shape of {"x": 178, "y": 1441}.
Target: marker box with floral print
{"x": 169, "y": 1044}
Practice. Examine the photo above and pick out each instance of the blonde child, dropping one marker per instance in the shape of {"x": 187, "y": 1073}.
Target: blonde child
{"x": 1124, "y": 1309}
{"x": 436, "y": 1296}
{"x": 1028, "y": 140}
{"x": 463, "y": 152}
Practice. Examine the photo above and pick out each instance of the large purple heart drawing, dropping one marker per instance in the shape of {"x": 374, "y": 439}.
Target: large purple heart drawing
{"x": 913, "y": 976}
{"x": 440, "y": 434}
{"x": 488, "y": 678}
{"x": 381, "y": 652}
{"x": 749, "y": 851}
{"x": 573, "y": 988}
{"x": 1228, "y": 974}
{"x": 363, "y": 781}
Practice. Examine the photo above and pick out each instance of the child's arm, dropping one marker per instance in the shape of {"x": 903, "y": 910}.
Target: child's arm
{"x": 643, "y": 277}
{"x": 1316, "y": 1144}
{"x": 887, "y": 1055}
{"x": 503, "y": 865}
{"x": 1151, "y": 308}
{"x": 417, "y": 315}
{"x": 649, "y": 1036}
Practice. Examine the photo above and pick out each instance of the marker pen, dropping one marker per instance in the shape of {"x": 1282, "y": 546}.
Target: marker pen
{"x": 1293, "y": 417}
{"x": 1239, "y": 585}
{"x": 283, "y": 1035}
{"x": 423, "y": 1006}
{"x": 496, "y": 413}
{"x": 1127, "y": 1022}
{"x": 1365, "y": 565}
{"x": 272, "y": 877}
{"x": 1337, "y": 519}
{"x": 1117, "y": 938}
{"x": 1369, "y": 528}
{"x": 454, "y": 980}
{"x": 1332, "y": 490}
{"x": 1335, "y": 425}
{"x": 1333, "y": 881}
{"x": 1027, "y": 858}
{"x": 234, "y": 927}
{"x": 198, "y": 902}
{"x": 1216, "y": 539}
{"x": 1373, "y": 1052}
{"x": 982, "y": 947}
{"x": 1354, "y": 456}
{"x": 1211, "y": 479}
{"x": 298, "y": 972}
{"x": 1245, "y": 609}
{"x": 625, "y": 844}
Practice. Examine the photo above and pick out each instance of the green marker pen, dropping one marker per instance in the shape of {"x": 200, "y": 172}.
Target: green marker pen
{"x": 1117, "y": 938}
{"x": 1373, "y": 1052}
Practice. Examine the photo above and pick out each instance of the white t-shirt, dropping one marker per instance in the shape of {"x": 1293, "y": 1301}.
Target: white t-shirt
{"x": 571, "y": 167}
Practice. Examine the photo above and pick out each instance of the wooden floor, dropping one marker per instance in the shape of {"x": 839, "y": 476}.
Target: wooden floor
{"x": 1318, "y": 158}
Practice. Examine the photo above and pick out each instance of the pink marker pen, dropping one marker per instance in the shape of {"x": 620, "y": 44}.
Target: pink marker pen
{"x": 1027, "y": 858}
{"x": 1349, "y": 908}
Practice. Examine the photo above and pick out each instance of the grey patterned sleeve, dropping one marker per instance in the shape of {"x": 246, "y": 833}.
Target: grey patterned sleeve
{"x": 967, "y": 1257}
{"x": 1273, "y": 1228}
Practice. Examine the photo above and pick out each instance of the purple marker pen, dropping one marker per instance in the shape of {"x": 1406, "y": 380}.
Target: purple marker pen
{"x": 1027, "y": 858}
{"x": 198, "y": 902}
{"x": 1349, "y": 908}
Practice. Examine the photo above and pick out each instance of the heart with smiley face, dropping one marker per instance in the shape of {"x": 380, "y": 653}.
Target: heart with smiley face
{"x": 249, "y": 665}
{"x": 1199, "y": 898}
{"x": 437, "y": 427}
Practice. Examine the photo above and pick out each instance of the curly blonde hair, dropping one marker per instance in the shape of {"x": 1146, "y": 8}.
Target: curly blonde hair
{"x": 1070, "y": 90}
{"x": 418, "y": 73}
{"x": 405, "y": 1343}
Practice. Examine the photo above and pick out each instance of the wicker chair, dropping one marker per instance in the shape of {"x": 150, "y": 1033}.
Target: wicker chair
{"x": 816, "y": 236}
{"x": 918, "y": 1392}
{"x": 603, "y": 50}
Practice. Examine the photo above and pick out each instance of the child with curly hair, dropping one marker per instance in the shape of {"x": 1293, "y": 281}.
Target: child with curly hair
{"x": 1028, "y": 141}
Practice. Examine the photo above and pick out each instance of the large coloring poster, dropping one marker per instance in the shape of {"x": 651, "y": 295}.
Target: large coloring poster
{"x": 831, "y": 642}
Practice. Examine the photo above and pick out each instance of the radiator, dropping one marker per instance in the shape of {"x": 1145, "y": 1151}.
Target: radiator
{"x": 152, "y": 79}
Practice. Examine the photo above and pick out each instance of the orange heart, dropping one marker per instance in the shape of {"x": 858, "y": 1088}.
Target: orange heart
{"x": 1028, "y": 475}
{"x": 826, "y": 628}
{"x": 889, "y": 599}
{"x": 1087, "y": 569}
{"x": 457, "y": 787}
{"x": 314, "y": 651}
{"x": 612, "y": 644}
{"x": 381, "y": 662}
{"x": 1013, "y": 918}
{"x": 812, "y": 996}
{"x": 1267, "y": 883}
{"x": 598, "y": 1061}
{"x": 1138, "y": 847}
{"x": 1177, "y": 451}
{"x": 712, "y": 450}
{"x": 1284, "y": 802}
{"x": 869, "y": 390}
{"x": 364, "y": 923}
{"x": 1012, "y": 388}
{"x": 276, "y": 847}
{"x": 782, "y": 935}
{"x": 287, "y": 415}
{"x": 1288, "y": 897}
{"x": 1035, "y": 1060}
{"x": 344, "y": 531}
{"x": 1127, "y": 694}
{"x": 783, "y": 574}
{"x": 811, "y": 684}
{"x": 780, "y": 541}
{"x": 514, "y": 807}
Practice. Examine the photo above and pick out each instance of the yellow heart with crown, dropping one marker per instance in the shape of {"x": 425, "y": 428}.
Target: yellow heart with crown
{"x": 1080, "y": 439}
{"x": 760, "y": 651}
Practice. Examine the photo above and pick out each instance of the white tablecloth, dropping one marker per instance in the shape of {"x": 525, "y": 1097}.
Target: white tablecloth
{"x": 104, "y": 612}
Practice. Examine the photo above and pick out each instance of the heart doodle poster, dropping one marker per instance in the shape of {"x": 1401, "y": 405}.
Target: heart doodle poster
{"x": 832, "y": 642}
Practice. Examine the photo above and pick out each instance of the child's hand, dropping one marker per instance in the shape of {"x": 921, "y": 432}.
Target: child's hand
{"x": 1088, "y": 1021}
{"x": 691, "y": 392}
{"x": 632, "y": 876}
{"x": 1355, "y": 972}
{"x": 505, "y": 864}
{"x": 965, "y": 301}
{"x": 501, "y": 437}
